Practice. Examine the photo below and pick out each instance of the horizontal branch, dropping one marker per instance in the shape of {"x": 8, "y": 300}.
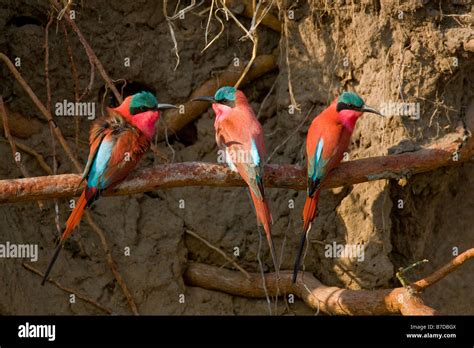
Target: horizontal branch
{"x": 444, "y": 271}
{"x": 286, "y": 176}
{"x": 328, "y": 299}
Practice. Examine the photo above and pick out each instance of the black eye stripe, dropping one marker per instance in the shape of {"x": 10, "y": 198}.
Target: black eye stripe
{"x": 140, "y": 109}
{"x": 226, "y": 102}
{"x": 346, "y": 106}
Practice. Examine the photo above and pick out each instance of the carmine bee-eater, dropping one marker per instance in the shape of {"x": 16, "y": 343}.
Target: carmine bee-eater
{"x": 117, "y": 143}
{"x": 327, "y": 140}
{"x": 240, "y": 135}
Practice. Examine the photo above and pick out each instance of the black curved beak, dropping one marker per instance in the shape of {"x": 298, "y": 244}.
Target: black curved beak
{"x": 166, "y": 106}
{"x": 367, "y": 108}
{"x": 205, "y": 99}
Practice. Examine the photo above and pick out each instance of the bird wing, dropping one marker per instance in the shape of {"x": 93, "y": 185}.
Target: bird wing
{"x": 255, "y": 170}
{"x": 242, "y": 135}
{"x": 130, "y": 146}
{"x": 97, "y": 134}
{"x": 316, "y": 167}
{"x": 116, "y": 147}
{"x": 324, "y": 152}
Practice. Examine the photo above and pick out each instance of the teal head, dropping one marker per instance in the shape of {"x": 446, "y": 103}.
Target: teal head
{"x": 146, "y": 101}
{"x": 352, "y": 101}
{"x": 225, "y": 95}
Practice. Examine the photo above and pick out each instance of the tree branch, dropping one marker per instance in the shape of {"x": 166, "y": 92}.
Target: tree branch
{"x": 329, "y": 299}
{"x": 438, "y": 155}
{"x": 444, "y": 271}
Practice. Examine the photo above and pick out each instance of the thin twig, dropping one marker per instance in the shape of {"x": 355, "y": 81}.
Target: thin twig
{"x": 206, "y": 32}
{"x": 293, "y": 101}
{"x": 228, "y": 258}
{"x": 249, "y": 64}
{"x": 262, "y": 273}
{"x": 46, "y": 63}
{"x": 264, "y": 101}
{"x": 90, "y": 53}
{"x": 68, "y": 290}
{"x": 15, "y": 153}
{"x": 169, "y": 20}
{"x": 173, "y": 152}
{"x": 185, "y": 10}
{"x": 9, "y": 137}
{"x": 443, "y": 271}
{"x": 112, "y": 264}
{"x": 207, "y": 28}
{"x": 75, "y": 81}
{"x": 401, "y": 273}
{"x": 48, "y": 107}
{"x": 42, "y": 109}
{"x": 40, "y": 159}
{"x": 251, "y": 33}
{"x": 291, "y": 134}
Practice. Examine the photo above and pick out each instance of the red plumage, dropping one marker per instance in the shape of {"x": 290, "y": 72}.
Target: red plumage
{"x": 336, "y": 137}
{"x": 330, "y": 132}
{"x": 309, "y": 210}
{"x": 128, "y": 138}
{"x": 239, "y": 132}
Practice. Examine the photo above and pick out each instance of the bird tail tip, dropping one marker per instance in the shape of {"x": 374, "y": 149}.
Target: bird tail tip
{"x": 71, "y": 223}
{"x": 51, "y": 263}
{"x": 309, "y": 213}
{"x": 299, "y": 255}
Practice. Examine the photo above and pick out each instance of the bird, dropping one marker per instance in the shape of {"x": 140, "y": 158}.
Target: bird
{"x": 117, "y": 143}
{"x": 327, "y": 140}
{"x": 240, "y": 136}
